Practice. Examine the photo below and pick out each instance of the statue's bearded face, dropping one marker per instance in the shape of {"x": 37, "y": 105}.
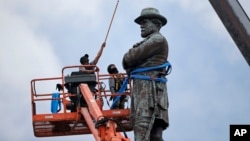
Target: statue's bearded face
{"x": 147, "y": 27}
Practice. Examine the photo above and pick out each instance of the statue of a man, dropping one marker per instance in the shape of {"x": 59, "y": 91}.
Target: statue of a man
{"x": 149, "y": 100}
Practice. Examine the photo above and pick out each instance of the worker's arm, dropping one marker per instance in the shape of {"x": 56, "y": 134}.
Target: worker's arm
{"x": 83, "y": 69}
{"x": 95, "y": 61}
{"x": 89, "y": 71}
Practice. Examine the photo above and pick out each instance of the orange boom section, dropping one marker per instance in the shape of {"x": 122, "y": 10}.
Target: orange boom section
{"x": 78, "y": 108}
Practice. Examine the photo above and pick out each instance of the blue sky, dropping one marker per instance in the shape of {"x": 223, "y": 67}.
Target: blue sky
{"x": 208, "y": 87}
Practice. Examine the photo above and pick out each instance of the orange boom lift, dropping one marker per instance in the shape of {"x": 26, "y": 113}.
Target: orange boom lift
{"x": 85, "y": 115}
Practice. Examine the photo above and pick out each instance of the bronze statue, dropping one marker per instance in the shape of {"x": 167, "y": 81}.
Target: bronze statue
{"x": 149, "y": 100}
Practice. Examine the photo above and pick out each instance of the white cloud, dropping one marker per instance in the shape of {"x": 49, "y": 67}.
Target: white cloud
{"x": 23, "y": 56}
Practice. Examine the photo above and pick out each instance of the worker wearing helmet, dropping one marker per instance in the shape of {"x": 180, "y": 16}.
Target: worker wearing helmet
{"x": 115, "y": 82}
{"x": 149, "y": 100}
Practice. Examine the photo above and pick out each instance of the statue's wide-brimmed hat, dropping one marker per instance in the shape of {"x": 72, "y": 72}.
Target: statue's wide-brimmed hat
{"x": 151, "y": 13}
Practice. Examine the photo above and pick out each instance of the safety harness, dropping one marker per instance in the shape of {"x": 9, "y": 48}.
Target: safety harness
{"x": 118, "y": 82}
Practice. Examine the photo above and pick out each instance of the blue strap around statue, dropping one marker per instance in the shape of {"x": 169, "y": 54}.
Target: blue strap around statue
{"x": 55, "y": 103}
{"x": 143, "y": 77}
{"x": 166, "y": 64}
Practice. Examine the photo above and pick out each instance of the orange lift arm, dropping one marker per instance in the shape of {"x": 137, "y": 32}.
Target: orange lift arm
{"x": 90, "y": 123}
{"x": 106, "y": 127}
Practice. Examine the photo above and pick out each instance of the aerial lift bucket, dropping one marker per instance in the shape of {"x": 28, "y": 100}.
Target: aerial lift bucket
{"x": 55, "y": 123}
{"x": 60, "y": 121}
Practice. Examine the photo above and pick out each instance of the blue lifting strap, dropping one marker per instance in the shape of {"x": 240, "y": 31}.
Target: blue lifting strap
{"x": 133, "y": 75}
{"x": 121, "y": 90}
{"x": 55, "y": 103}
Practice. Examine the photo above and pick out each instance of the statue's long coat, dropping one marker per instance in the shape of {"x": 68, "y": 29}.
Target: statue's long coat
{"x": 152, "y": 51}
